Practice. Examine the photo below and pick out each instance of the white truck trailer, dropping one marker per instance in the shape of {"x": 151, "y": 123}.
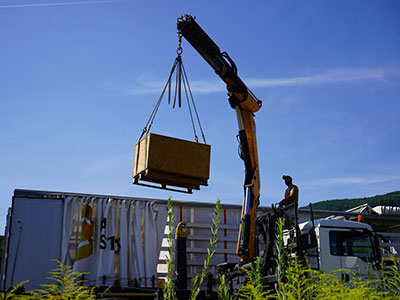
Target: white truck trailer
{"x": 128, "y": 241}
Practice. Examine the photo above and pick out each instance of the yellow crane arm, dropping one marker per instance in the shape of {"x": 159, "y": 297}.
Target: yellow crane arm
{"x": 245, "y": 104}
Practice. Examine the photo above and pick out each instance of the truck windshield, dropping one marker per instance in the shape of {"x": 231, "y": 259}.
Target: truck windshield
{"x": 352, "y": 243}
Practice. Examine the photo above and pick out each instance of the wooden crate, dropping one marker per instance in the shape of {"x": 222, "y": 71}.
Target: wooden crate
{"x": 171, "y": 162}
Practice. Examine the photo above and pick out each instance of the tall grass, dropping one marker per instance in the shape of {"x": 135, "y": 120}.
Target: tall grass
{"x": 67, "y": 285}
{"x": 197, "y": 282}
{"x": 222, "y": 289}
{"x": 169, "y": 286}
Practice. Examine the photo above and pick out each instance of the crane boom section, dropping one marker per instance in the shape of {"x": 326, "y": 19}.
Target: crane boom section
{"x": 219, "y": 61}
{"x": 247, "y": 231}
{"x": 245, "y": 104}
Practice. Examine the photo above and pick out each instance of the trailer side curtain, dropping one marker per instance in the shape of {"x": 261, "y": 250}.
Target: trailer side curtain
{"x": 113, "y": 240}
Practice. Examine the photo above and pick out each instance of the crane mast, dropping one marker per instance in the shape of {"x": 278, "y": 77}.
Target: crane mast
{"x": 243, "y": 101}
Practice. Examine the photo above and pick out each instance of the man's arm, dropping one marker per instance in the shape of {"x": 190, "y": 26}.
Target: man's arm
{"x": 289, "y": 199}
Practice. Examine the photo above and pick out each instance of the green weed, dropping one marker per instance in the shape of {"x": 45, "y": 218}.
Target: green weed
{"x": 253, "y": 288}
{"x": 391, "y": 278}
{"x": 222, "y": 289}
{"x": 14, "y": 292}
{"x": 197, "y": 283}
{"x": 169, "y": 286}
{"x": 67, "y": 285}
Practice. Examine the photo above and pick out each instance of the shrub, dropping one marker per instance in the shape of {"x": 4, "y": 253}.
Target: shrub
{"x": 253, "y": 288}
{"x": 391, "y": 277}
{"x": 14, "y": 292}
{"x": 68, "y": 285}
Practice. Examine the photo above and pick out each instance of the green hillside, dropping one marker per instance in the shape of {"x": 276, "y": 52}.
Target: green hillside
{"x": 389, "y": 199}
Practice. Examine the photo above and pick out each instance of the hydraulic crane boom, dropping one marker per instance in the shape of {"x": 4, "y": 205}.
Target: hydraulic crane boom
{"x": 245, "y": 104}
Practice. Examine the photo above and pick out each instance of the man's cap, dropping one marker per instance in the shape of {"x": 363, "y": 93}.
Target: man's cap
{"x": 286, "y": 177}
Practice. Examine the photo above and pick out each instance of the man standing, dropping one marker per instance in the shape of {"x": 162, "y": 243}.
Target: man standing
{"x": 290, "y": 201}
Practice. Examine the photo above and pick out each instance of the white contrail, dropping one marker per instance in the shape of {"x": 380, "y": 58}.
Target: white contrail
{"x": 350, "y": 180}
{"x": 56, "y": 4}
{"x": 332, "y": 76}
{"x": 323, "y": 78}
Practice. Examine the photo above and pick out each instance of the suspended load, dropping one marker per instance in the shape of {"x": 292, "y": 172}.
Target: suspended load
{"x": 168, "y": 161}
{"x": 171, "y": 162}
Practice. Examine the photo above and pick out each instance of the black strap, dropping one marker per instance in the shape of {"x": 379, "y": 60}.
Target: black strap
{"x": 180, "y": 77}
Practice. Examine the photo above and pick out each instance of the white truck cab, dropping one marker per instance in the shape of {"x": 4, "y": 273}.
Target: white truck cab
{"x": 332, "y": 244}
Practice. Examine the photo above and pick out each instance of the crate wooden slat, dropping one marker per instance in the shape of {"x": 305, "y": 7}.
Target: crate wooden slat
{"x": 170, "y": 161}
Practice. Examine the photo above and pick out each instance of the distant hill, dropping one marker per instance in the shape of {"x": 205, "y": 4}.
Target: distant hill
{"x": 389, "y": 199}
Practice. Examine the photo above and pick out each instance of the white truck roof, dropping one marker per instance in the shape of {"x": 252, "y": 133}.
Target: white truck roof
{"x": 335, "y": 223}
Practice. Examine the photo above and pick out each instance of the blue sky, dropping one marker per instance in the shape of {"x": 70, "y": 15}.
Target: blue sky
{"x": 80, "y": 78}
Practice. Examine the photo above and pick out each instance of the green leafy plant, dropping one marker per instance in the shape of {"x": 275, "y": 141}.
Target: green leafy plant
{"x": 14, "y": 292}
{"x": 391, "y": 278}
{"x": 68, "y": 285}
{"x": 197, "y": 283}
{"x": 331, "y": 286}
{"x": 300, "y": 280}
{"x": 253, "y": 288}
{"x": 169, "y": 286}
{"x": 222, "y": 289}
{"x": 280, "y": 253}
